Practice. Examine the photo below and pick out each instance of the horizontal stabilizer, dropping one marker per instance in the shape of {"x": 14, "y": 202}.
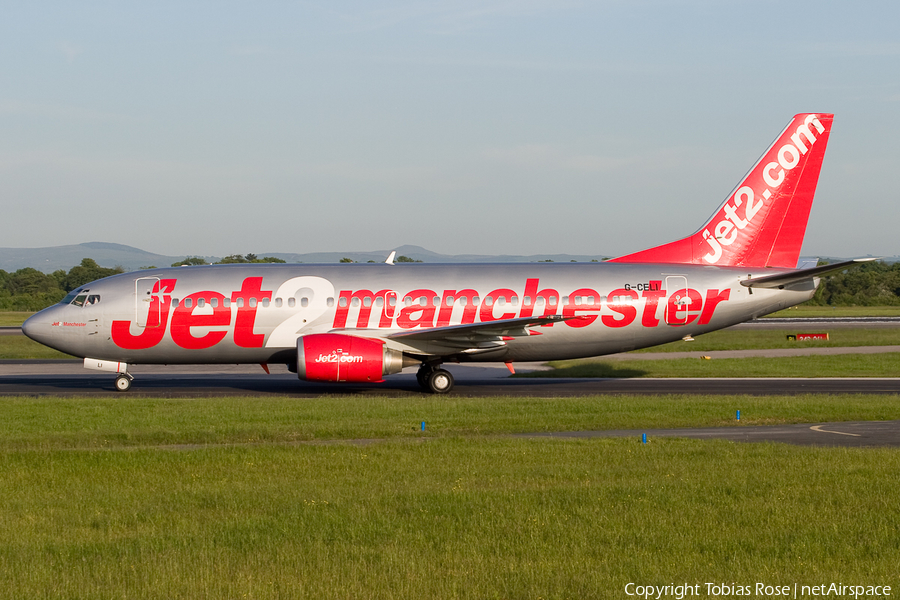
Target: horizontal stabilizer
{"x": 785, "y": 279}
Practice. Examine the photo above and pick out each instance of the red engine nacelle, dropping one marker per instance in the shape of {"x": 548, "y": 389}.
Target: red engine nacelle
{"x": 338, "y": 357}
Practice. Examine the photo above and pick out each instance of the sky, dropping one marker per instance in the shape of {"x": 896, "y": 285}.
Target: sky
{"x": 468, "y": 127}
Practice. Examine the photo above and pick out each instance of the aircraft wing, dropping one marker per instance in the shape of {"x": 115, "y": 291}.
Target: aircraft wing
{"x": 785, "y": 279}
{"x": 470, "y": 339}
{"x": 492, "y": 329}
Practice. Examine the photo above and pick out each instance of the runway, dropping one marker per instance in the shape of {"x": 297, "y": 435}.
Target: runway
{"x": 69, "y": 378}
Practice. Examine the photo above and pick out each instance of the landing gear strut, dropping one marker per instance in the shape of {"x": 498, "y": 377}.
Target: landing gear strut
{"x": 123, "y": 382}
{"x": 435, "y": 380}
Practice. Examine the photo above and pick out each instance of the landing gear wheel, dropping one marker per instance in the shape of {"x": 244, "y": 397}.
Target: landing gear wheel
{"x": 440, "y": 381}
{"x": 123, "y": 383}
{"x": 422, "y": 376}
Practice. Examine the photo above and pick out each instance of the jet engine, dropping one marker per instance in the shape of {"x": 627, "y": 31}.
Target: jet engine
{"x": 339, "y": 357}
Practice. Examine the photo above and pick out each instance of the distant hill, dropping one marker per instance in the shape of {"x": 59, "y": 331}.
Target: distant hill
{"x": 131, "y": 259}
{"x": 65, "y": 257}
{"x": 419, "y": 253}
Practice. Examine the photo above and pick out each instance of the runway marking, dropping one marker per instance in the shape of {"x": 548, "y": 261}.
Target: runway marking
{"x": 818, "y": 428}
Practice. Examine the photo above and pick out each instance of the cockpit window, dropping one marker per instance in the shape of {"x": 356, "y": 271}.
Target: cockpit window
{"x": 81, "y": 297}
{"x": 70, "y": 296}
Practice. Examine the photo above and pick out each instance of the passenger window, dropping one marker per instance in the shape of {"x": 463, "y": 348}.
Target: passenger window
{"x": 201, "y": 302}
{"x": 265, "y": 303}
{"x": 367, "y": 301}
{"x": 188, "y": 302}
{"x": 252, "y": 302}
{"x": 277, "y": 302}
{"x": 304, "y": 302}
{"x": 330, "y": 302}
{"x": 292, "y": 302}
{"x": 343, "y": 302}
{"x": 174, "y": 302}
{"x": 226, "y": 302}
{"x": 214, "y": 302}
{"x": 355, "y": 303}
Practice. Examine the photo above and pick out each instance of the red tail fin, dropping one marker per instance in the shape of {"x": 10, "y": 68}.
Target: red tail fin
{"x": 762, "y": 222}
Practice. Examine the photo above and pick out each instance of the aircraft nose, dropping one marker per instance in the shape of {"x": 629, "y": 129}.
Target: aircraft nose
{"x": 37, "y": 326}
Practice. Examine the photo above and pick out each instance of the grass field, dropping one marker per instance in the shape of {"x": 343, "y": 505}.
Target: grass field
{"x": 13, "y": 319}
{"x": 94, "y": 423}
{"x": 22, "y": 348}
{"x": 454, "y": 514}
{"x": 804, "y": 311}
{"x": 743, "y": 339}
{"x": 840, "y": 365}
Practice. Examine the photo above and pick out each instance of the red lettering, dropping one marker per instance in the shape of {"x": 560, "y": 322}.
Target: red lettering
{"x": 345, "y": 301}
{"x": 157, "y": 319}
{"x": 425, "y": 311}
{"x": 626, "y": 309}
{"x": 183, "y": 318}
{"x": 530, "y": 297}
{"x": 246, "y": 314}
{"x": 686, "y": 301}
{"x": 487, "y": 311}
{"x": 571, "y": 308}
{"x": 651, "y": 303}
{"x": 713, "y": 297}
{"x": 470, "y": 308}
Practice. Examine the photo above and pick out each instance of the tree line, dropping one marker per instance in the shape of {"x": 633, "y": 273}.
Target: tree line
{"x": 870, "y": 284}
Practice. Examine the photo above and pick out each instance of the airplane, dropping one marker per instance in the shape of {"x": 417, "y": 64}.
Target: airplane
{"x": 362, "y": 322}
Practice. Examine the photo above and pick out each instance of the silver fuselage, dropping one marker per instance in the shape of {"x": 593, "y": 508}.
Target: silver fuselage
{"x": 256, "y": 313}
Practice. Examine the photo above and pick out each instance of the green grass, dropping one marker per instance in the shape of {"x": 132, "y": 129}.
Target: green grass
{"x": 453, "y": 518}
{"x": 743, "y": 339}
{"x": 49, "y": 423}
{"x": 840, "y": 365}
{"x": 458, "y": 515}
{"x": 804, "y": 311}
{"x": 22, "y": 348}
{"x": 13, "y": 319}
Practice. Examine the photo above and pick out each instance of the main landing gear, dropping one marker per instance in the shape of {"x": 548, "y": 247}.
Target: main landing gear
{"x": 433, "y": 379}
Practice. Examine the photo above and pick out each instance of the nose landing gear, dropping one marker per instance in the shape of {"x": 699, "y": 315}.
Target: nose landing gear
{"x": 123, "y": 382}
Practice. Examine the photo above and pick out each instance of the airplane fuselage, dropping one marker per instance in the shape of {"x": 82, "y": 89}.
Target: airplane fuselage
{"x": 255, "y": 313}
